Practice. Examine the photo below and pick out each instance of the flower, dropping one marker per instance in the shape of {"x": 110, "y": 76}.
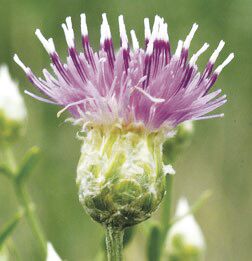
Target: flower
{"x": 149, "y": 86}
{"x": 51, "y": 253}
{"x": 185, "y": 239}
{"x": 12, "y": 108}
{"x": 126, "y": 101}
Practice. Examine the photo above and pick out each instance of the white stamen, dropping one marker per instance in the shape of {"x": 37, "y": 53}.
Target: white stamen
{"x": 156, "y": 27}
{"x": 216, "y": 53}
{"x": 50, "y": 41}
{"x": 190, "y": 36}
{"x": 195, "y": 57}
{"x": 105, "y": 30}
{"x": 70, "y": 26}
{"x": 179, "y": 49}
{"x": 123, "y": 33}
{"x": 48, "y": 45}
{"x": 160, "y": 29}
{"x": 225, "y": 63}
{"x": 149, "y": 49}
{"x": 153, "y": 99}
{"x": 164, "y": 33}
{"x": 69, "y": 33}
{"x": 106, "y": 26}
{"x": 20, "y": 63}
{"x": 84, "y": 30}
{"x": 39, "y": 98}
{"x": 147, "y": 30}
{"x": 70, "y": 105}
{"x": 134, "y": 40}
{"x": 221, "y": 115}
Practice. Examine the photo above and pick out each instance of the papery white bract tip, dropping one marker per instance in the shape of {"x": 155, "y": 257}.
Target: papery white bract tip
{"x": 168, "y": 169}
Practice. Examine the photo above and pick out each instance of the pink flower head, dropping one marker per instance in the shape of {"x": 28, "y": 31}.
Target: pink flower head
{"x": 150, "y": 86}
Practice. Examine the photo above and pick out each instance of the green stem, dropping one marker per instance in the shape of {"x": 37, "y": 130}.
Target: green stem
{"x": 31, "y": 217}
{"x": 26, "y": 202}
{"x": 9, "y": 158}
{"x": 114, "y": 243}
{"x": 167, "y": 203}
{"x": 166, "y": 214}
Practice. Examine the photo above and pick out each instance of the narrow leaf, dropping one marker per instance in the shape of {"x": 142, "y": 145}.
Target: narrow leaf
{"x": 8, "y": 228}
{"x": 28, "y": 164}
{"x": 6, "y": 171}
{"x": 128, "y": 235}
{"x": 154, "y": 244}
{"x": 195, "y": 207}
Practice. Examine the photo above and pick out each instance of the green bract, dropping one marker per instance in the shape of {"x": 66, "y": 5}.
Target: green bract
{"x": 120, "y": 175}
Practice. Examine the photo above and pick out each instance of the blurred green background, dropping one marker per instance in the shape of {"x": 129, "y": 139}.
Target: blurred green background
{"x": 219, "y": 157}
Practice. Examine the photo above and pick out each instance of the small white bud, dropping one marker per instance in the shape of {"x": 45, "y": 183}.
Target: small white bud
{"x": 185, "y": 237}
{"x": 51, "y": 253}
{"x": 11, "y": 102}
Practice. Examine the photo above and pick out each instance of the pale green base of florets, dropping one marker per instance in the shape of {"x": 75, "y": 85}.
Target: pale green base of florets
{"x": 120, "y": 175}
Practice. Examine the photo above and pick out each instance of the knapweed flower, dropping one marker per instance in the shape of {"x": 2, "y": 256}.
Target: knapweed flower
{"x": 185, "y": 240}
{"x": 12, "y": 108}
{"x": 127, "y": 101}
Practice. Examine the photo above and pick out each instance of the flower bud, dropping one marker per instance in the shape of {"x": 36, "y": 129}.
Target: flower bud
{"x": 12, "y": 108}
{"x": 185, "y": 240}
{"x": 120, "y": 175}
